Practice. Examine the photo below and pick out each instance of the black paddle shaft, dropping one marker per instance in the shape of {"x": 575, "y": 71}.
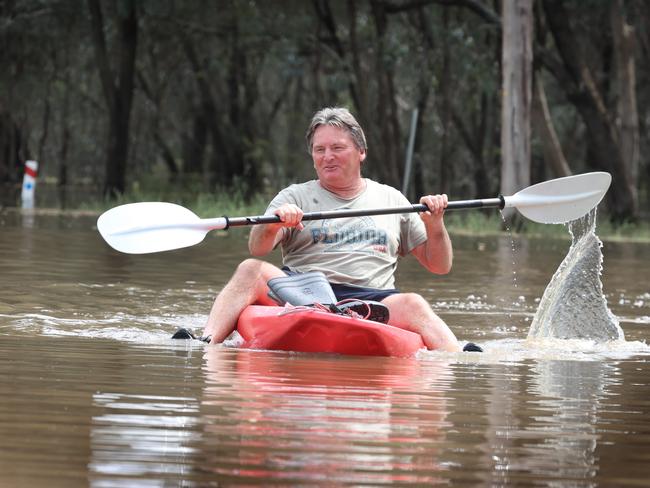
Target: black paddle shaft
{"x": 498, "y": 202}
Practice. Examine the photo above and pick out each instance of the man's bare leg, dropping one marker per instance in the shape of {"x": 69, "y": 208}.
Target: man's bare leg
{"x": 247, "y": 286}
{"x": 412, "y": 312}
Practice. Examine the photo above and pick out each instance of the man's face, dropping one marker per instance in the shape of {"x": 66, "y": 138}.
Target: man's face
{"x": 337, "y": 159}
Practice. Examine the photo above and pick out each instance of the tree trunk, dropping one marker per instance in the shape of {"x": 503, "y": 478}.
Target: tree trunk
{"x": 119, "y": 97}
{"x": 517, "y": 60}
{"x": 543, "y": 125}
{"x": 166, "y": 152}
{"x": 421, "y": 186}
{"x": 194, "y": 144}
{"x": 627, "y": 112}
{"x": 386, "y": 142}
{"x": 445, "y": 111}
{"x": 358, "y": 91}
{"x": 209, "y": 115}
{"x": 65, "y": 143}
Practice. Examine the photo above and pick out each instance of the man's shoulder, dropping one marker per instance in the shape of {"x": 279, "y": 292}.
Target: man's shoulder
{"x": 382, "y": 186}
{"x": 301, "y": 188}
{"x": 385, "y": 190}
{"x": 295, "y": 193}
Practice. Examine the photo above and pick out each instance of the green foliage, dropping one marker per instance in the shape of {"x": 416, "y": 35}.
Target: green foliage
{"x": 627, "y": 231}
{"x": 474, "y": 222}
{"x": 221, "y": 201}
{"x": 490, "y": 222}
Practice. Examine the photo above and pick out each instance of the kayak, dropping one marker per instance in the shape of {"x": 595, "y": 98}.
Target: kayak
{"x": 304, "y": 329}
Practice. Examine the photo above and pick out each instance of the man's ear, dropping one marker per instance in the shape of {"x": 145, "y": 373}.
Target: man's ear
{"x": 363, "y": 155}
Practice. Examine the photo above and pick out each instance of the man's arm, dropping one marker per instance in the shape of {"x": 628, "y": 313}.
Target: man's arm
{"x": 264, "y": 238}
{"x": 436, "y": 253}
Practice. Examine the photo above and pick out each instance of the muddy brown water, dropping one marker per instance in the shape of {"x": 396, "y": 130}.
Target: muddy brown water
{"x": 94, "y": 393}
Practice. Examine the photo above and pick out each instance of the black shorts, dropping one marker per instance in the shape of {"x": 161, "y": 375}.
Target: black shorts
{"x": 345, "y": 292}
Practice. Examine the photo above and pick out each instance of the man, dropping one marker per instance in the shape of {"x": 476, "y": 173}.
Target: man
{"x": 358, "y": 255}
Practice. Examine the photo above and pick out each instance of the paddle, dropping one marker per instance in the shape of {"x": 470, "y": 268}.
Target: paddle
{"x": 147, "y": 227}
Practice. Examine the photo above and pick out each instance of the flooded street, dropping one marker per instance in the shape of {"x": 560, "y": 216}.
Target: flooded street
{"x": 95, "y": 393}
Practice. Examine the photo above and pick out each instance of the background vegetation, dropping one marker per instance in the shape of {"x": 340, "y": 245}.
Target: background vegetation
{"x": 184, "y": 98}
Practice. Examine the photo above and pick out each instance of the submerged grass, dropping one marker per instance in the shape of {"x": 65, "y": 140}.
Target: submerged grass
{"x": 484, "y": 222}
{"x": 214, "y": 204}
{"x": 232, "y": 202}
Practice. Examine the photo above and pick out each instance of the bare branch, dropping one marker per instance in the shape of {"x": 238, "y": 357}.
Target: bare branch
{"x": 99, "y": 44}
{"x": 476, "y": 6}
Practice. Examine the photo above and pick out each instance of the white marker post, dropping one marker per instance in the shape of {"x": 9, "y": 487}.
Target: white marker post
{"x": 29, "y": 184}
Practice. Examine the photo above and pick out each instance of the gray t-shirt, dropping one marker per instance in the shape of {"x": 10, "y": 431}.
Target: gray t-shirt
{"x": 360, "y": 251}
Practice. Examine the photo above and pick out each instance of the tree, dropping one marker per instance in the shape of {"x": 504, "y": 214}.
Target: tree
{"x": 13, "y": 149}
{"x": 543, "y": 124}
{"x": 517, "y": 94}
{"x": 578, "y": 77}
{"x": 118, "y": 94}
{"x": 217, "y": 94}
{"x": 627, "y": 114}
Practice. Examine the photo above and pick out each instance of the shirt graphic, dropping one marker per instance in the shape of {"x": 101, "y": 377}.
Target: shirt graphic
{"x": 351, "y": 235}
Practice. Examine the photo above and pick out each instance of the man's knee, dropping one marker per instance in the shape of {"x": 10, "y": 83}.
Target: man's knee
{"x": 249, "y": 267}
{"x": 255, "y": 271}
{"x": 406, "y": 306}
{"x": 412, "y": 301}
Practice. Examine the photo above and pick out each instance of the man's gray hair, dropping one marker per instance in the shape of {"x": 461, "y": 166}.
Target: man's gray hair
{"x": 337, "y": 117}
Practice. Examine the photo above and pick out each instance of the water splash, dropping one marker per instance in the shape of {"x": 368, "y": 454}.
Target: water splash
{"x": 573, "y": 305}
{"x": 513, "y": 254}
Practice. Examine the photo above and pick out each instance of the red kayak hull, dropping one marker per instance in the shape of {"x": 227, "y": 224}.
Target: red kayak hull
{"x": 311, "y": 330}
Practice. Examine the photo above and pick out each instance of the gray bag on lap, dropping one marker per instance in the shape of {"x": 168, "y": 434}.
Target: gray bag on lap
{"x": 302, "y": 289}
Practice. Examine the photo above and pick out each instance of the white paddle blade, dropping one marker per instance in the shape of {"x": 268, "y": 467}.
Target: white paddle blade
{"x": 139, "y": 228}
{"x": 563, "y": 199}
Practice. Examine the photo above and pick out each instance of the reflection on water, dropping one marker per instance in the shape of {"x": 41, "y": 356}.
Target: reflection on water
{"x": 554, "y": 432}
{"x": 573, "y": 391}
{"x": 137, "y": 435}
{"x": 314, "y": 419}
{"x": 94, "y": 392}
